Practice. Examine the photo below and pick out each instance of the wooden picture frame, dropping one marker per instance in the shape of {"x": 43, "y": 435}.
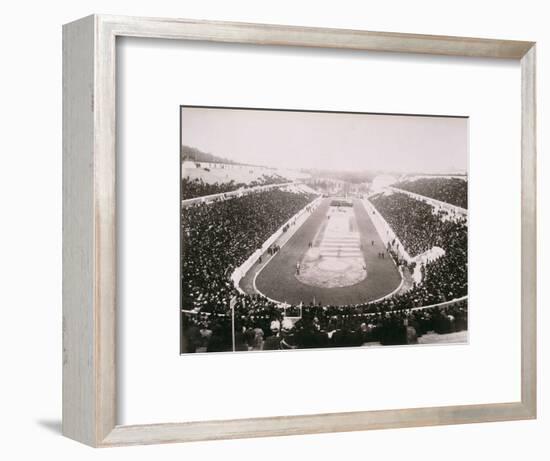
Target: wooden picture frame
{"x": 89, "y": 233}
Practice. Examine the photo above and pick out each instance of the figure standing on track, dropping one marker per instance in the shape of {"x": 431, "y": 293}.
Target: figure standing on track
{"x": 298, "y": 268}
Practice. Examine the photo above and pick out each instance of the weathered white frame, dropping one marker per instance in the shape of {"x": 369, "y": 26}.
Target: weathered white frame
{"x": 89, "y": 232}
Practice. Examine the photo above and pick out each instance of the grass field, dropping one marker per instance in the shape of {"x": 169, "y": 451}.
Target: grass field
{"x": 278, "y": 281}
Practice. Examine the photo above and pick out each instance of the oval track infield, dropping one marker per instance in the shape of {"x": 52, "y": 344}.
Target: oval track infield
{"x": 277, "y": 280}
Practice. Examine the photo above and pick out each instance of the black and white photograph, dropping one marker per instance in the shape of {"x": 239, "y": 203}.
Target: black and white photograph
{"x": 317, "y": 229}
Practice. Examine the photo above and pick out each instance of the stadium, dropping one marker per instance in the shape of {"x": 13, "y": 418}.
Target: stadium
{"x": 275, "y": 259}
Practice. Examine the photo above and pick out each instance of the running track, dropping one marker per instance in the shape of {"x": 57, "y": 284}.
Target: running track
{"x": 277, "y": 281}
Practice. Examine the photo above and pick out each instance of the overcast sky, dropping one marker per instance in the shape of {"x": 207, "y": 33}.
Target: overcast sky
{"x": 291, "y": 139}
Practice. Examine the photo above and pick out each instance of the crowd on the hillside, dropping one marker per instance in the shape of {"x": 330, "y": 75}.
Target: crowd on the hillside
{"x": 448, "y": 190}
{"x": 192, "y": 188}
{"x": 218, "y": 237}
{"x": 199, "y": 188}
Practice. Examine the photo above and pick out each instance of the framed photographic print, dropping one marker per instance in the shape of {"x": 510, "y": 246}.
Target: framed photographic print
{"x": 274, "y": 230}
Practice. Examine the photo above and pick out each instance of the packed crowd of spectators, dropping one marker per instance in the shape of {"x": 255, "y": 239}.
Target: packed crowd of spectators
{"x": 218, "y": 237}
{"x": 390, "y": 321}
{"x": 354, "y": 327}
{"x": 263, "y": 326}
{"x": 199, "y": 188}
{"x": 420, "y": 228}
{"x": 416, "y": 223}
{"x": 448, "y": 190}
{"x": 192, "y": 188}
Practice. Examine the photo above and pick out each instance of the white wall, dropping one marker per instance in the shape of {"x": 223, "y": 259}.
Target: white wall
{"x": 30, "y": 247}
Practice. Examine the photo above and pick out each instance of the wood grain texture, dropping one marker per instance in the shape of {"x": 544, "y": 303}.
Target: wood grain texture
{"x": 89, "y": 253}
{"x": 529, "y": 232}
{"x": 79, "y": 357}
{"x": 105, "y": 227}
{"x": 313, "y": 424}
{"x": 270, "y": 34}
{"x": 89, "y": 229}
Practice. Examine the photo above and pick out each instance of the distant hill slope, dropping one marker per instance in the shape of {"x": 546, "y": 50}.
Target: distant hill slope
{"x": 199, "y": 156}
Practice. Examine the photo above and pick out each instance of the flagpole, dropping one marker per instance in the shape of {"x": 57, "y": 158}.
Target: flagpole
{"x": 233, "y": 327}
{"x": 232, "y": 305}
